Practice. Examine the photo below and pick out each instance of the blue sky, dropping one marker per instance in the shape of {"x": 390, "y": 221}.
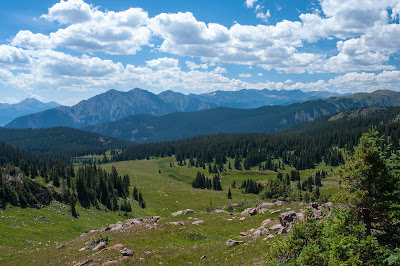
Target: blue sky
{"x": 70, "y": 50}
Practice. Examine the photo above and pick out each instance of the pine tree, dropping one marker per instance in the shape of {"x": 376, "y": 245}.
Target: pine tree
{"x": 135, "y": 194}
{"x": 372, "y": 187}
{"x": 229, "y": 194}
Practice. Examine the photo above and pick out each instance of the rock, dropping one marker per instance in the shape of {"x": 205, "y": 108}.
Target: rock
{"x": 288, "y": 219}
{"x": 249, "y": 211}
{"x": 154, "y": 219}
{"x": 203, "y": 257}
{"x": 265, "y": 222}
{"x": 314, "y": 205}
{"x": 126, "y": 252}
{"x": 220, "y": 211}
{"x": 150, "y": 226}
{"x": 317, "y": 214}
{"x": 276, "y": 211}
{"x": 281, "y": 231}
{"x": 174, "y": 214}
{"x": 111, "y": 262}
{"x": 198, "y": 222}
{"x": 231, "y": 242}
{"x": 256, "y": 236}
{"x": 116, "y": 227}
{"x": 300, "y": 215}
{"x": 243, "y": 233}
{"x": 276, "y": 227}
{"x": 268, "y": 237}
{"x": 177, "y": 223}
{"x": 262, "y": 210}
{"x": 265, "y": 232}
{"x": 130, "y": 222}
{"x": 280, "y": 202}
{"x": 242, "y": 219}
{"x": 60, "y": 246}
{"x": 188, "y": 211}
{"x": 92, "y": 231}
{"x": 326, "y": 206}
{"x": 82, "y": 249}
{"x": 100, "y": 246}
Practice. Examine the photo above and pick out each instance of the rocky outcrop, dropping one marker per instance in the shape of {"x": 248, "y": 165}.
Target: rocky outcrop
{"x": 100, "y": 246}
{"x": 127, "y": 252}
{"x": 249, "y": 211}
{"x": 231, "y": 242}
{"x": 288, "y": 219}
{"x": 187, "y": 211}
{"x": 321, "y": 210}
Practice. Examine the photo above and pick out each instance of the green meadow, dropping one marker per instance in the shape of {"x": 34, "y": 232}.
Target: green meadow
{"x": 31, "y": 236}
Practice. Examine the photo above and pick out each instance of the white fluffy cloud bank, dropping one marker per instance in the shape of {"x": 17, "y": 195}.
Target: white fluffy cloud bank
{"x": 366, "y": 33}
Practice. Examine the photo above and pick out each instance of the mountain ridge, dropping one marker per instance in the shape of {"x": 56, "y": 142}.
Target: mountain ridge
{"x": 109, "y": 106}
{"x": 9, "y": 112}
{"x": 267, "y": 119}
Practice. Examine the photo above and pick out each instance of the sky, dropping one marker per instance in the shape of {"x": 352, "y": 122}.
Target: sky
{"x": 70, "y": 50}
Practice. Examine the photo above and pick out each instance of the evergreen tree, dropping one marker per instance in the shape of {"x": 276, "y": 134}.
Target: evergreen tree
{"x": 237, "y": 164}
{"x": 217, "y": 183}
{"x": 135, "y": 194}
{"x": 229, "y": 194}
{"x": 372, "y": 187}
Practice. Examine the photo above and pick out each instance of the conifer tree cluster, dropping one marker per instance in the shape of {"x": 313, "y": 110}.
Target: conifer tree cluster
{"x": 137, "y": 195}
{"x": 95, "y": 185}
{"x": 250, "y": 186}
{"x": 203, "y": 182}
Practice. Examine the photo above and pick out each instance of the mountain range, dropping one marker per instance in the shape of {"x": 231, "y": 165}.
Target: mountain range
{"x": 148, "y": 128}
{"x": 9, "y": 112}
{"x": 114, "y": 105}
{"x": 247, "y": 99}
{"x": 111, "y": 106}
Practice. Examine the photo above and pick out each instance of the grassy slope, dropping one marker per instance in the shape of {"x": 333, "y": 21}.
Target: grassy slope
{"x": 164, "y": 193}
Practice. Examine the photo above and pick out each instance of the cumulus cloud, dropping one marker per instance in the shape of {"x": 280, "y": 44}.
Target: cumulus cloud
{"x": 245, "y": 75}
{"x": 163, "y": 63}
{"x": 13, "y": 58}
{"x": 366, "y": 34}
{"x": 250, "y": 3}
{"x": 91, "y": 30}
{"x": 69, "y": 12}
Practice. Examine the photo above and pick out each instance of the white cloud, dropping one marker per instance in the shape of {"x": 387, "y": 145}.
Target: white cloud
{"x": 250, "y": 3}
{"x": 91, "y": 30}
{"x": 220, "y": 70}
{"x": 191, "y": 65}
{"x": 70, "y": 12}
{"x": 259, "y": 74}
{"x": 264, "y": 16}
{"x": 366, "y": 34}
{"x": 245, "y": 75}
{"x": 163, "y": 63}
{"x": 13, "y": 58}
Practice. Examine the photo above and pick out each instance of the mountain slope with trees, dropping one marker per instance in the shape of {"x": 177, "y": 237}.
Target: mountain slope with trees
{"x": 61, "y": 140}
{"x": 146, "y": 128}
{"x": 110, "y": 106}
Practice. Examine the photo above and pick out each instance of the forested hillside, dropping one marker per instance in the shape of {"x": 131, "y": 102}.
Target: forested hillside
{"x": 146, "y": 128}
{"x": 302, "y": 147}
{"x": 66, "y": 141}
